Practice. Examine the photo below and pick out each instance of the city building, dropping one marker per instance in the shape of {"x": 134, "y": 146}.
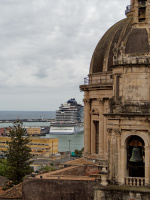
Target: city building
{"x": 2, "y": 131}
{"x": 43, "y": 147}
{"x": 33, "y": 131}
{"x": 116, "y": 161}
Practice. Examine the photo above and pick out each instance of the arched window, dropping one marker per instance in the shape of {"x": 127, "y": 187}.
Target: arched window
{"x": 135, "y": 157}
{"x": 142, "y": 10}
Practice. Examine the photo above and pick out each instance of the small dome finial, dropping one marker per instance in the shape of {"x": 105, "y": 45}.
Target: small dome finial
{"x": 129, "y": 8}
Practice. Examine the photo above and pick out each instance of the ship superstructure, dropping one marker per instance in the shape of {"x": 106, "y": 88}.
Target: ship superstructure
{"x": 69, "y": 118}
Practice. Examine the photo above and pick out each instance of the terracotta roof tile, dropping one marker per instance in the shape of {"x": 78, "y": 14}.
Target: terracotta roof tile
{"x": 14, "y": 192}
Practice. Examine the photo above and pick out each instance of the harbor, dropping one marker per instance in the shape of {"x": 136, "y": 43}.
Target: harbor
{"x": 76, "y": 140}
{"x": 26, "y": 120}
{"x": 42, "y": 119}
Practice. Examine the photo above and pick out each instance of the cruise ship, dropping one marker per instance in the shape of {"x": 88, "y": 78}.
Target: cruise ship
{"x": 69, "y": 119}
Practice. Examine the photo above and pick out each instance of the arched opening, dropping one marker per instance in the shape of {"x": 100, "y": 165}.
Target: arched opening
{"x": 142, "y": 10}
{"x": 135, "y": 156}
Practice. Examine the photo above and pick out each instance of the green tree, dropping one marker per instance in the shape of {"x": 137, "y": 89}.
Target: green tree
{"x": 47, "y": 169}
{"x": 76, "y": 152}
{"x": 18, "y": 154}
{"x": 3, "y": 167}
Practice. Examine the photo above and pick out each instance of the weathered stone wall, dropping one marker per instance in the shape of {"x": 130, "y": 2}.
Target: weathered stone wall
{"x": 10, "y": 198}
{"x": 122, "y": 193}
{"x": 46, "y": 189}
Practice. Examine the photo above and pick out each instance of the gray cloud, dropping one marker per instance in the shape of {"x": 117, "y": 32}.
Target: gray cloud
{"x": 46, "y": 47}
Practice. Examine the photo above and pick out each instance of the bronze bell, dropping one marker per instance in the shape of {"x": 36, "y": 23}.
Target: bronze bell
{"x": 136, "y": 157}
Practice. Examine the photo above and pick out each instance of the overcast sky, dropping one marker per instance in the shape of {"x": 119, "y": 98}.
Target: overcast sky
{"x": 46, "y": 47}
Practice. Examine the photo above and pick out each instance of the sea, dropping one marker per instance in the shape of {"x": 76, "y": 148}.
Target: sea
{"x": 65, "y": 142}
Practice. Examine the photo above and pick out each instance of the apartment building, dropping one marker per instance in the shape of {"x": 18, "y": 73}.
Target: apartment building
{"x": 44, "y": 147}
{"x": 33, "y": 130}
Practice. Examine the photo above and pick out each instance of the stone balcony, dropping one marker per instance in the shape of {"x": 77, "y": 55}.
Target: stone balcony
{"x": 100, "y": 80}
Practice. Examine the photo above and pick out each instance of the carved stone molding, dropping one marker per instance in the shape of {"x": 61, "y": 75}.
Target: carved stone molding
{"x": 117, "y": 131}
{"x": 86, "y": 101}
{"x": 112, "y": 131}
{"x": 112, "y": 76}
{"x": 122, "y": 49}
{"x": 95, "y": 111}
{"x": 119, "y": 75}
{"x": 109, "y": 131}
{"x": 101, "y": 101}
{"x": 115, "y": 51}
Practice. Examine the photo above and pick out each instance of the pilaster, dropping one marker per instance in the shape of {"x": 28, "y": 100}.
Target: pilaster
{"x": 148, "y": 12}
{"x": 106, "y": 106}
{"x": 114, "y": 155}
{"x": 87, "y": 126}
{"x": 101, "y": 127}
{"x": 135, "y": 10}
{"x": 147, "y": 166}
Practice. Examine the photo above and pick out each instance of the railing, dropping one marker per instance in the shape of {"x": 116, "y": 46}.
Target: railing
{"x": 135, "y": 181}
{"x": 128, "y": 9}
{"x": 97, "y": 80}
{"x": 86, "y": 81}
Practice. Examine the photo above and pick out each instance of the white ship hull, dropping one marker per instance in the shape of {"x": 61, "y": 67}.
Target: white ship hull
{"x": 66, "y": 130}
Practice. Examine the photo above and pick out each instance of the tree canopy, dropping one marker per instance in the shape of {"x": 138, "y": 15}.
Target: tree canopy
{"x": 18, "y": 154}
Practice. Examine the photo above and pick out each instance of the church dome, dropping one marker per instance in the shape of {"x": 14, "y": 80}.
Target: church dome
{"x": 122, "y": 32}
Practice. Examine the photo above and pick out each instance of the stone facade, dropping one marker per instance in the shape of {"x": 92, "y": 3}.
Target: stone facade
{"x": 116, "y": 119}
{"x": 117, "y": 100}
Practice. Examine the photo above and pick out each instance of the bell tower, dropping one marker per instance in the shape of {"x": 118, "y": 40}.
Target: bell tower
{"x": 117, "y": 99}
{"x": 141, "y": 12}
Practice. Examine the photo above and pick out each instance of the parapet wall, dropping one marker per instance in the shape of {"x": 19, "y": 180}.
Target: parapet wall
{"x": 121, "y": 193}
{"x": 48, "y": 189}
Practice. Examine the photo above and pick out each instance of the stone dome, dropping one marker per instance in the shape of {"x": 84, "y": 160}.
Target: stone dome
{"x": 122, "y": 31}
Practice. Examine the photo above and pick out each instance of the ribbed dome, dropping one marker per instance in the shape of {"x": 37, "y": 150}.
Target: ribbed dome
{"x": 135, "y": 41}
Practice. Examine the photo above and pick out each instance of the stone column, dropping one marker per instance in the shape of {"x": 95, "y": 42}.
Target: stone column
{"x": 123, "y": 162}
{"x": 105, "y": 130}
{"x": 101, "y": 128}
{"x": 109, "y": 132}
{"x": 113, "y": 159}
{"x": 87, "y": 127}
{"x": 93, "y": 138}
{"x": 147, "y": 165}
{"x": 111, "y": 154}
{"x": 117, "y": 156}
{"x": 114, "y": 155}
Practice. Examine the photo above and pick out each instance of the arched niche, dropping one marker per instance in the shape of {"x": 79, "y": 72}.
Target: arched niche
{"x": 135, "y": 159}
{"x": 125, "y": 136}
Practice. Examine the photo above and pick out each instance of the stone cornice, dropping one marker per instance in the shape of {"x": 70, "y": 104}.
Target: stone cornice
{"x": 126, "y": 115}
{"x": 96, "y": 87}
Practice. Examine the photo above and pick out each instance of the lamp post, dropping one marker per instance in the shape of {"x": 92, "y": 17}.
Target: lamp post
{"x": 52, "y": 153}
{"x": 69, "y": 148}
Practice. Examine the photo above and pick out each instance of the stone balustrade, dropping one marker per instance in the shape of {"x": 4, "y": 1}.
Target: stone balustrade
{"x": 98, "y": 79}
{"x": 135, "y": 181}
{"x": 128, "y": 59}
